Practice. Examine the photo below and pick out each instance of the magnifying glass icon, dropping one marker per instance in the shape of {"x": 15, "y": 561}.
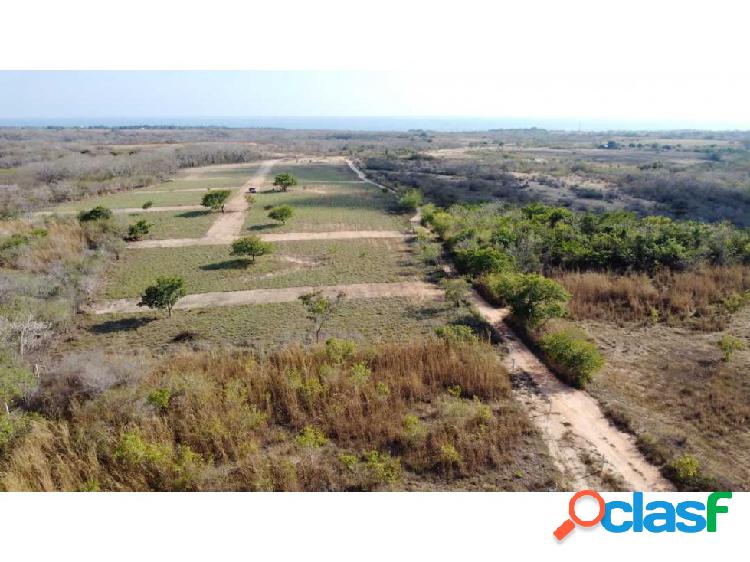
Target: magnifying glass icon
{"x": 563, "y": 530}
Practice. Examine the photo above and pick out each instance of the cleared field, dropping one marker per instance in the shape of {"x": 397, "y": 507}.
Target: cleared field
{"x": 317, "y": 172}
{"x": 300, "y": 263}
{"x": 180, "y": 224}
{"x": 323, "y": 208}
{"x": 268, "y": 325}
{"x": 134, "y": 198}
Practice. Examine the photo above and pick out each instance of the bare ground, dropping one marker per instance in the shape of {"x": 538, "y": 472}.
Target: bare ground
{"x": 415, "y": 289}
{"x": 587, "y": 449}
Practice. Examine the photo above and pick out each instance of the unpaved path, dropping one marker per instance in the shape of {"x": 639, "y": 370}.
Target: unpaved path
{"x": 413, "y": 289}
{"x": 580, "y": 438}
{"x": 280, "y": 237}
{"x": 229, "y": 225}
{"x": 126, "y": 210}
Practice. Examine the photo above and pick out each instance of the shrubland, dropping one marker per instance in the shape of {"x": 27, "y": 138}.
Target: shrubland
{"x": 431, "y": 414}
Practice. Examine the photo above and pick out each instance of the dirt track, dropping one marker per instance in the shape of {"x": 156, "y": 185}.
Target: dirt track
{"x": 229, "y": 224}
{"x": 571, "y": 421}
{"x": 414, "y": 289}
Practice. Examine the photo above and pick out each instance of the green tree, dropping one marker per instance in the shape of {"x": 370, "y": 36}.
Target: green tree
{"x": 320, "y": 309}
{"x": 282, "y": 213}
{"x": 573, "y": 356}
{"x": 216, "y": 200}
{"x": 251, "y": 246}
{"x": 534, "y": 299}
{"x": 410, "y": 200}
{"x": 164, "y": 294}
{"x": 284, "y": 180}
{"x": 97, "y": 213}
{"x": 138, "y": 230}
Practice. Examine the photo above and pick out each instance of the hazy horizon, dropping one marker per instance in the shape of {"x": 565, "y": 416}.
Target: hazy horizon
{"x": 373, "y": 100}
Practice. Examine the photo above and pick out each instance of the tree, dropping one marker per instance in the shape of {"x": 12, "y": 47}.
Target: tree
{"x": 147, "y": 205}
{"x": 320, "y": 309}
{"x": 164, "y": 294}
{"x": 284, "y": 180}
{"x": 251, "y": 246}
{"x": 456, "y": 290}
{"x": 215, "y": 200}
{"x": 573, "y": 356}
{"x": 95, "y": 214}
{"x": 26, "y": 332}
{"x": 411, "y": 200}
{"x": 282, "y": 213}
{"x": 534, "y": 299}
{"x": 138, "y": 230}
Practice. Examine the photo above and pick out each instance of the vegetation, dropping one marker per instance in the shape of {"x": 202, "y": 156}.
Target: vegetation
{"x": 139, "y": 229}
{"x": 216, "y": 200}
{"x": 320, "y": 309}
{"x": 729, "y": 345}
{"x": 284, "y": 181}
{"x": 572, "y": 355}
{"x": 251, "y": 246}
{"x": 95, "y": 214}
{"x": 164, "y": 294}
{"x": 282, "y": 213}
{"x": 292, "y": 420}
{"x": 411, "y": 200}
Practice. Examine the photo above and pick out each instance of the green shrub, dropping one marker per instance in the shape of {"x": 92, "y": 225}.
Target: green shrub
{"x": 282, "y": 213}
{"x": 382, "y": 468}
{"x": 411, "y": 200}
{"x": 728, "y": 345}
{"x": 97, "y": 213}
{"x": 456, "y": 333}
{"x": 533, "y": 299}
{"x": 572, "y": 356}
{"x": 138, "y": 230}
{"x": 338, "y": 350}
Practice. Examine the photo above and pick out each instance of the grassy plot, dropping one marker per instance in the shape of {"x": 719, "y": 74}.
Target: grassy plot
{"x": 300, "y": 263}
{"x": 198, "y": 183}
{"x": 322, "y": 208}
{"x": 267, "y": 325}
{"x": 172, "y": 224}
{"x": 317, "y": 172}
{"x": 134, "y": 199}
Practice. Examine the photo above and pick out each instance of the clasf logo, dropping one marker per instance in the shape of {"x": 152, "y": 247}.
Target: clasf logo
{"x": 654, "y": 517}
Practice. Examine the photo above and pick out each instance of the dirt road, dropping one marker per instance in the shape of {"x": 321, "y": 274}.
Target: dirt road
{"x": 580, "y": 438}
{"x": 414, "y": 289}
{"x": 228, "y": 225}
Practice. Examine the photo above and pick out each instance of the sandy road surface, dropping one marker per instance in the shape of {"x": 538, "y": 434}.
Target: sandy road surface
{"x": 228, "y": 225}
{"x": 415, "y": 289}
{"x": 281, "y": 237}
{"x": 570, "y": 420}
{"x": 126, "y": 210}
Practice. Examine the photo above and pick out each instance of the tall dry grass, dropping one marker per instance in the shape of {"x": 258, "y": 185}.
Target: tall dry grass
{"x": 703, "y": 299}
{"x": 298, "y": 419}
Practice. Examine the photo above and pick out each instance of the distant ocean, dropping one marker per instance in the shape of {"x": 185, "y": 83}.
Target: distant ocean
{"x": 337, "y": 123}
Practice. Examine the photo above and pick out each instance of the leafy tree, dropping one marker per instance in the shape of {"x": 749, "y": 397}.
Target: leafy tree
{"x": 320, "y": 309}
{"x": 97, "y": 213}
{"x": 284, "y": 180}
{"x": 164, "y": 294}
{"x": 480, "y": 260}
{"x": 534, "y": 299}
{"x": 251, "y": 246}
{"x": 282, "y": 213}
{"x": 456, "y": 290}
{"x": 216, "y": 200}
{"x": 411, "y": 200}
{"x": 138, "y": 230}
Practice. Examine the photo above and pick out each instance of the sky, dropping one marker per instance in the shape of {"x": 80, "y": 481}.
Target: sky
{"x": 657, "y": 100}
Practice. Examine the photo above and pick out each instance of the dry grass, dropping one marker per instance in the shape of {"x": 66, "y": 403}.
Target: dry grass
{"x": 399, "y": 416}
{"x": 703, "y": 299}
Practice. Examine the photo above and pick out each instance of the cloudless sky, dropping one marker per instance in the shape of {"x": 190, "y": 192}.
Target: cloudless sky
{"x": 680, "y": 100}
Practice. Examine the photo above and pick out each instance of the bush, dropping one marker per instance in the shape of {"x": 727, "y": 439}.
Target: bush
{"x": 138, "y": 230}
{"x": 216, "y": 200}
{"x": 410, "y": 201}
{"x": 95, "y": 214}
{"x": 534, "y": 299}
{"x": 573, "y": 357}
{"x": 456, "y": 333}
{"x": 282, "y": 213}
{"x": 456, "y": 290}
{"x": 728, "y": 345}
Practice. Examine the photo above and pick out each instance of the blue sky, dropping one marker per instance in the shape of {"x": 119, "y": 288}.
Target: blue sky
{"x": 657, "y": 100}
